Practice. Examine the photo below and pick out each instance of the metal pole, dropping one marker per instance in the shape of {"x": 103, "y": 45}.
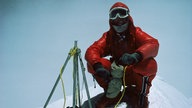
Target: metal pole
{"x": 58, "y": 78}
{"x": 74, "y": 85}
{"x": 78, "y": 85}
{"x": 74, "y": 76}
{"x": 84, "y": 78}
{"x": 74, "y": 52}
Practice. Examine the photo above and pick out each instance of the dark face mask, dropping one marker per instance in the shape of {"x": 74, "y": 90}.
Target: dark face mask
{"x": 120, "y": 28}
{"x": 120, "y": 24}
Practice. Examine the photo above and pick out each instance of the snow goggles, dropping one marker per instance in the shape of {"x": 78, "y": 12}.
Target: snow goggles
{"x": 118, "y": 12}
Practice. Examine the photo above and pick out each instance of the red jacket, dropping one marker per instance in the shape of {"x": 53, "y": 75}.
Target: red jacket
{"x": 111, "y": 45}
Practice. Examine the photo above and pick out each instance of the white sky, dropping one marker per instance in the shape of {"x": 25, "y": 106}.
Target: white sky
{"x": 36, "y": 36}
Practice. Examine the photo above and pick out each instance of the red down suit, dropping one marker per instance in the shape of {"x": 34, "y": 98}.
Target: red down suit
{"x": 109, "y": 45}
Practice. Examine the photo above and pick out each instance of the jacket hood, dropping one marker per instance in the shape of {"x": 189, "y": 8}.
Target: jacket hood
{"x": 131, "y": 26}
{"x": 119, "y": 4}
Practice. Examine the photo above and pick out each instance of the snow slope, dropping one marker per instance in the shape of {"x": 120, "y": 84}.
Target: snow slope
{"x": 162, "y": 95}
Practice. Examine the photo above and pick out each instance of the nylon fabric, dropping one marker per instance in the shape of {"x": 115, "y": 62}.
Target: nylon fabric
{"x": 114, "y": 86}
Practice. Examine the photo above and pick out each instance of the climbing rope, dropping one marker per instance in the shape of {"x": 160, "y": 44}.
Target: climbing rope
{"x": 63, "y": 87}
{"x": 71, "y": 53}
{"x": 75, "y": 51}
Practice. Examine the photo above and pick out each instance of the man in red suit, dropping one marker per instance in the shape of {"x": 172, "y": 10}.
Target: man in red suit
{"x": 129, "y": 50}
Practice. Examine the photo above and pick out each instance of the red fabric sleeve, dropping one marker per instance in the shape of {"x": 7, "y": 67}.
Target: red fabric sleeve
{"x": 147, "y": 46}
{"x": 97, "y": 50}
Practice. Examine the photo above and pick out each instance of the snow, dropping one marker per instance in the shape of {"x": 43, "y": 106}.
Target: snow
{"x": 162, "y": 95}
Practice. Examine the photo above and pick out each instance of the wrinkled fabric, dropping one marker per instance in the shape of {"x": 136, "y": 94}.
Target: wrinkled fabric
{"x": 114, "y": 88}
{"x": 113, "y": 45}
{"x": 141, "y": 43}
{"x": 115, "y": 84}
{"x": 116, "y": 70}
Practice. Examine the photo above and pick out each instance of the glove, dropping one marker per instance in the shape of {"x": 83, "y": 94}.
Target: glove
{"x": 130, "y": 59}
{"x": 101, "y": 71}
{"x": 117, "y": 70}
{"x": 114, "y": 88}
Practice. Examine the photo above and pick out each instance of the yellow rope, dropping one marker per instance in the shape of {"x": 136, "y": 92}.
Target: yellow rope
{"x": 73, "y": 51}
{"x": 124, "y": 71}
{"x": 63, "y": 87}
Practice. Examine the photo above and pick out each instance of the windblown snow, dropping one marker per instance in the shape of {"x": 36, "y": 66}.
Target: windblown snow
{"x": 162, "y": 95}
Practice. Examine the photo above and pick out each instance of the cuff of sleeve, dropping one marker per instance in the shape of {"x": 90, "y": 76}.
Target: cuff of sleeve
{"x": 97, "y": 65}
{"x": 138, "y": 56}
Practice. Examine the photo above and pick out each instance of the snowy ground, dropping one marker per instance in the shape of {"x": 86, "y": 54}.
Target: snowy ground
{"x": 162, "y": 95}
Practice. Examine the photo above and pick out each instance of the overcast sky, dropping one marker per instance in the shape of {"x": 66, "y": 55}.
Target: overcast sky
{"x": 36, "y": 36}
